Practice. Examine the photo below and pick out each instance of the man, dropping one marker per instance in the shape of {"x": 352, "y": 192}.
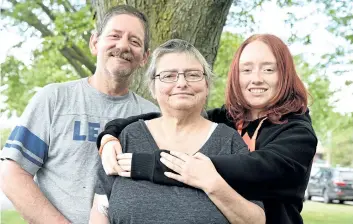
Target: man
{"x": 55, "y": 139}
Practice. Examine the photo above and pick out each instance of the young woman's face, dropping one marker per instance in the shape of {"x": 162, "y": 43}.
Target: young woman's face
{"x": 258, "y": 75}
{"x": 182, "y": 94}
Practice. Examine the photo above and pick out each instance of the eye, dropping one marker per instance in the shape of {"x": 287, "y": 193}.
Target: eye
{"x": 115, "y": 36}
{"x": 269, "y": 70}
{"x": 193, "y": 74}
{"x": 245, "y": 70}
{"x": 169, "y": 75}
{"x": 136, "y": 43}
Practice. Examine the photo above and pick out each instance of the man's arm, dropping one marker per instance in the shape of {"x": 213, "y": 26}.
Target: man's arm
{"x": 18, "y": 185}
{"x": 98, "y": 215}
{"x": 25, "y": 152}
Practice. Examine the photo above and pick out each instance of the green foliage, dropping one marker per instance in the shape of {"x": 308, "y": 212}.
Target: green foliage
{"x": 318, "y": 86}
{"x": 62, "y": 56}
{"x": 11, "y": 72}
{"x": 22, "y": 81}
{"x": 340, "y": 24}
{"x": 334, "y": 130}
{"x": 4, "y": 135}
{"x": 342, "y": 141}
{"x": 228, "y": 45}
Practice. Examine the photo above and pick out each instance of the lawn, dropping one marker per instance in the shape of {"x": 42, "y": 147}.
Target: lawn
{"x": 313, "y": 213}
{"x": 10, "y": 217}
{"x": 320, "y": 213}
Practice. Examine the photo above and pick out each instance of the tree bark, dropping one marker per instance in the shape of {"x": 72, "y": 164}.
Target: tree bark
{"x": 199, "y": 22}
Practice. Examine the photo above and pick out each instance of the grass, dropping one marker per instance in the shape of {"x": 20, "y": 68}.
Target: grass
{"x": 320, "y": 213}
{"x": 313, "y": 213}
{"x": 11, "y": 217}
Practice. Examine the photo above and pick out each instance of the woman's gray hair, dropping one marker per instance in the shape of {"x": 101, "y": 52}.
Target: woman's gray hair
{"x": 176, "y": 46}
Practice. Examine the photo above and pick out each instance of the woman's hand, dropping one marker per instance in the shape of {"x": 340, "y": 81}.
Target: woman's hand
{"x": 114, "y": 161}
{"x": 197, "y": 171}
{"x": 110, "y": 164}
{"x": 124, "y": 162}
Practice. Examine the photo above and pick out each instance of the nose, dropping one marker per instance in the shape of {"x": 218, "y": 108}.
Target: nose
{"x": 257, "y": 76}
{"x": 181, "y": 81}
{"x": 123, "y": 44}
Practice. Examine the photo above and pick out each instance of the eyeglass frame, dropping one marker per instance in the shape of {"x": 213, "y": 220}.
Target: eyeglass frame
{"x": 178, "y": 74}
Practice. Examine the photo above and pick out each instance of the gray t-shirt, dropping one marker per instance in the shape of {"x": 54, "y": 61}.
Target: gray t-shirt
{"x": 55, "y": 141}
{"x": 139, "y": 201}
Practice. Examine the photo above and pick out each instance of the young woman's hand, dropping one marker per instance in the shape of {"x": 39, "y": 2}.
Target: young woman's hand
{"x": 109, "y": 158}
{"x": 197, "y": 171}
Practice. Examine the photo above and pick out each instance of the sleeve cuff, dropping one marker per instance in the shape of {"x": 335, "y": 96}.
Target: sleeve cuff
{"x": 142, "y": 165}
{"x": 148, "y": 166}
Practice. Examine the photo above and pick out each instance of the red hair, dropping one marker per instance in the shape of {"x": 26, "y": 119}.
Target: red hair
{"x": 291, "y": 96}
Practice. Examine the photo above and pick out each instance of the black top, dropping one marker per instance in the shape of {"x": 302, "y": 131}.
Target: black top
{"x": 277, "y": 172}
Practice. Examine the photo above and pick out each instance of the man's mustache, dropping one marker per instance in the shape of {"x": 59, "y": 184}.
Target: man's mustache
{"x": 124, "y": 55}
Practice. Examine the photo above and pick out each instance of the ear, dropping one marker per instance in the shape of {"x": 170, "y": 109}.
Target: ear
{"x": 145, "y": 58}
{"x": 93, "y": 41}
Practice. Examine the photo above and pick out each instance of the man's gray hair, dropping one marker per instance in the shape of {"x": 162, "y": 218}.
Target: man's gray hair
{"x": 126, "y": 10}
{"x": 176, "y": 46}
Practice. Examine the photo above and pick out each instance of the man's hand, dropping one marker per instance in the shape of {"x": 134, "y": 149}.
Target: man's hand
{"x": 197, "y": 171}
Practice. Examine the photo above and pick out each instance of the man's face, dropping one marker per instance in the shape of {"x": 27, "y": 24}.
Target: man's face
{"x": 120, "y": 46}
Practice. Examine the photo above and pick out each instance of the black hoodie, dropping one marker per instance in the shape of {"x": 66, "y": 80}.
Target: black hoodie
{"x": 276, "y": 173}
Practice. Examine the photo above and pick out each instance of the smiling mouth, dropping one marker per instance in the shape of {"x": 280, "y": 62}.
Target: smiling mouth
{"x": 257, "y": 90}
{"x": 188, "y": 94}
{"x": 121, "y": 57}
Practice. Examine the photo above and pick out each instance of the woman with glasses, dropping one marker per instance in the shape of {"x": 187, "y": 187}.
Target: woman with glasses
{"x": 179, "y": 79}
{"x": 266, "y": 103}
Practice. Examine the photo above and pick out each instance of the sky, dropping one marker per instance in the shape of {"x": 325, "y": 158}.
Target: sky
{"x": 268, "y": 20}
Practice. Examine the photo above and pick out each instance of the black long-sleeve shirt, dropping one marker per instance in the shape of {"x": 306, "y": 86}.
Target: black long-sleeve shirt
{"x": 277, "y": 172}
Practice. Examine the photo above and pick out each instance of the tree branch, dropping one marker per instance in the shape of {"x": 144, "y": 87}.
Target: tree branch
{"x": 32, "y": 20}
{"x": 67, "y": 5}
{"x": 84, "y": 59}
{"x": 46, "y": 10}
{"x": 77, "y": 66}
{"x": 69, "y": 53}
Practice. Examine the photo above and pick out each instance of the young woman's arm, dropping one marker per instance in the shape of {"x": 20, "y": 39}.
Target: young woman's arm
{"x": 116, "y": 126}
{"x": 272, "y": 172}
{"x": 279, "y": 168}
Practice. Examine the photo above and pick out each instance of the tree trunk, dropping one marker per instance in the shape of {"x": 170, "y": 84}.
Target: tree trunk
{"x": 199, "y": 22}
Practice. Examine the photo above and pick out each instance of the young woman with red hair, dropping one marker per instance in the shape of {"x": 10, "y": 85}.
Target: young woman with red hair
{"x": 267, "y": 103}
